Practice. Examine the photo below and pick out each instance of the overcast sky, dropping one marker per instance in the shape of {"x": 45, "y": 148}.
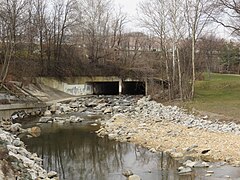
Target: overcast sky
{"x": 129, "y": 6}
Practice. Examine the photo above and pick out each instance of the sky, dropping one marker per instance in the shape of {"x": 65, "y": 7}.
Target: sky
{"x": 129, "y": 7}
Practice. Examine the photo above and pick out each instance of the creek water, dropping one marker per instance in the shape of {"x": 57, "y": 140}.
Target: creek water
{"x": 76, "y": 153}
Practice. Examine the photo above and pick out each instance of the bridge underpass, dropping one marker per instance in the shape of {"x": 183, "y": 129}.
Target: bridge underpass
{"x": 134, "y": 88}
{"x": 116, "y": 88}
{"x": 97, "y": 85}
{"x": 105, "y": 88}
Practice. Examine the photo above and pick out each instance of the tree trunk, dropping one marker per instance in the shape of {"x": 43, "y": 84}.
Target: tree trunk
{"x": 179, "y": 76}
{"x": 193, "y": 65}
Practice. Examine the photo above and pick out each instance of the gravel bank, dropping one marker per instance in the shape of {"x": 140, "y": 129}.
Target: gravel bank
{"x": 171, "y": 129}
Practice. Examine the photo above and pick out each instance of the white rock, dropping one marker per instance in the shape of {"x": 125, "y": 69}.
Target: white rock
{"x": 53, "y": 108}
{"x": 45, "y": 119}
{"x": 57, "y": 112}
{"x": 74, "y": 105}
{"x": 183, "y": 170}
{"x": 127, "y": 173}
{"x": 189, "y": 163}
{"x": 52, "y": 174}
{"x": 176, "y": 154}
{"x": 47, "y": 113}
{"x": 94, "y": 124}
{"x": 201, "y": 165}
{"x": 15, "y": 116}
{"x": 153, "y": 150}
{"x": 15, "y": 127}
{"x": 134, "y": 177}
{"x": 65, "y": 108}
{"x": 108, "y": 110}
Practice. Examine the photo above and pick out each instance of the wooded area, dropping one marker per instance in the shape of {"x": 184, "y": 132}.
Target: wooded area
{"x": 88, "y": 37}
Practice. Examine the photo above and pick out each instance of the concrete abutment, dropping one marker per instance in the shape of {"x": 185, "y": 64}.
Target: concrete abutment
{"x": 98, "y": 85}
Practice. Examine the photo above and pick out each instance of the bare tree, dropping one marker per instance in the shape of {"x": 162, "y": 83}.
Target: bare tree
{"x": 95, "y": 26}
{"x": 117, "y": 28}
{"x": 178, "y": 29}
{"x": 226, "y": 13}
{"x": 197, "y": 14}
{"x": 11, "y": 17}
{"x": 39, "y": 22}
{"x": 30, "y": 30}
{"x": 63, "y": 19}
{"x": 153, "y": 16}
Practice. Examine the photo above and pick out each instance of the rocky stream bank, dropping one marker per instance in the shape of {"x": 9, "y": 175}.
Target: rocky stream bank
{"x": 16, "y": 162}
{"x": 194, "y": 141}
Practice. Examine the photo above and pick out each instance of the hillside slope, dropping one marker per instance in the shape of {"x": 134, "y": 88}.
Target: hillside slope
{"x": 220, "y": 94}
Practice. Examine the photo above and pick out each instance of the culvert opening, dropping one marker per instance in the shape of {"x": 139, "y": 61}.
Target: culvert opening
{"x": 105, "y": 88}
{"x": 134, "y": 88}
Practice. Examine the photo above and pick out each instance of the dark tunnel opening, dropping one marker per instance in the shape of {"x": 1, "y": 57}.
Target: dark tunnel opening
{"x": 105, "y": 88}
{"x": 134, "y": 88}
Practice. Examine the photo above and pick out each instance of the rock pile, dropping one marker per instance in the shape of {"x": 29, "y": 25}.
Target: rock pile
{"x": 135, "y": 107}
{"x": 146, "y": 110}
{"x": 94, "y": 105}
{"x": 172, "y": 129}
{"x": 23, "y": 164}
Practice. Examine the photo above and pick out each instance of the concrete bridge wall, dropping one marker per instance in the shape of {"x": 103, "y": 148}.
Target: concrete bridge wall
{"x": 87, "y": 85}
{"x": 7, "y": 110}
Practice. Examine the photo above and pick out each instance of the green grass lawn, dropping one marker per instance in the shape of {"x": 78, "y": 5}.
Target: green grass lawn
{"x": 219, "y": 93}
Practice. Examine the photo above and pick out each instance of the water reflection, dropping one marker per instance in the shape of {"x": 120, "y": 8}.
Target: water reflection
{"x": 77, "y": 154}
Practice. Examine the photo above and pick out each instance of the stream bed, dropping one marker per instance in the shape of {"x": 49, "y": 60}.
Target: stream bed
{"x": 77, "y": 153}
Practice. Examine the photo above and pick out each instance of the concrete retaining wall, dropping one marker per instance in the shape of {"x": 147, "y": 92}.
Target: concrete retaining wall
{"x": 78, "y": 89}
{"x": 75, "y": 86}
{"x": 7, "y": 110}
{"x": 81, "y": 85}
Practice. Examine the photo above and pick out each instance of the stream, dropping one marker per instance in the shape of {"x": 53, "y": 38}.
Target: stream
{"x": 77, "y": 153}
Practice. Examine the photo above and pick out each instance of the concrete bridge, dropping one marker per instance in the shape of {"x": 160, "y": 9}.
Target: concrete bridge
{"x": 97, "y": 85}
